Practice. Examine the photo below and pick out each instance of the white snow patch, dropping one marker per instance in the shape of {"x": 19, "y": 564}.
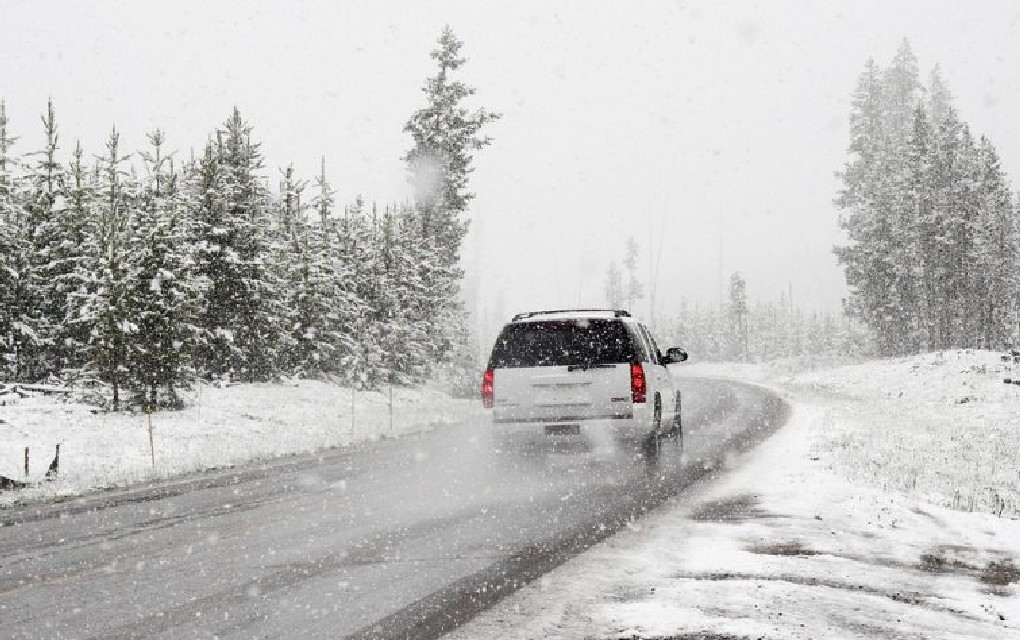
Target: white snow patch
{"x": 222, "y": 426}
{"x": 828, "y": 530}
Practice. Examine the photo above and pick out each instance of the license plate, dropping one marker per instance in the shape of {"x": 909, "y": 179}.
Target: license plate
{"x": 563, "y": 429}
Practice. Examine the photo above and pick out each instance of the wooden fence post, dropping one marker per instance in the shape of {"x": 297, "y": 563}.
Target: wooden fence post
{"x": 391, "y": 408}
{"x": 152, "y": 447}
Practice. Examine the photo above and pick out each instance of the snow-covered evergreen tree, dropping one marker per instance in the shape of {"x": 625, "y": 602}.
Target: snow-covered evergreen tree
{"x": 257, "y": 299}
{"x": 76, "y": 280}
{"x": 335, "y": 250}
{"x": 919, "y": 230}
{"x": 929, "y": 219}
{"x": 215, "y": 263}
{"x": 614, "y": 286}
{"x": 950, "y": 234}
{"x": 242, "y": 309}
{"x": 738, "y": 328}
{"x": 103, "y": 309}
{"x": 292, "y": 262}
{"x": 460, "y": 369}
{"x": 44, "y": 303}
{"x": 366, "y": 365}
{"x": 995, "y": 282}
{"x": 863, "y": 263}
{"x": 874, "y": 197}
{"x": 445, "y": 135}
{"x": 316, "y": 338}
{"x": 632, "y": 289}
{"x": 901, "y": 92}
{"x": 427, "y": 283}
{"x": 163, "y": 294}
{"x": 940, "y": 99}
{"x": 13, "y": 251}
{"x": 392, "y": 299}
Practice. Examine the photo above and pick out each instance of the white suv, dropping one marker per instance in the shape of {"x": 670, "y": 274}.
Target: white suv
{"x": 581, "y": 372}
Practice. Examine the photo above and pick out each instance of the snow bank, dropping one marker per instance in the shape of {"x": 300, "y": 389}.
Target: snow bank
{"x": 941, "y": 427}
{"x": 827, "y": 530}
{"x": 222, "y": 426}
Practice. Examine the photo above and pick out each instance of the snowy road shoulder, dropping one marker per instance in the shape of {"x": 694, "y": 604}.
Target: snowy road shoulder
{"x": 784, "y": 545}
{"x": 221, "y": 427}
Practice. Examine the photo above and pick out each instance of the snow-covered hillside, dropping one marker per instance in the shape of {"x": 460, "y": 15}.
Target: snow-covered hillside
{"x": 885, "y": 508}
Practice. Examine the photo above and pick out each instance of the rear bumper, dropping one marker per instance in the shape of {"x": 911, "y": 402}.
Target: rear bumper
{"x": 633, "y": 427}
{"x": 496, "y": 419}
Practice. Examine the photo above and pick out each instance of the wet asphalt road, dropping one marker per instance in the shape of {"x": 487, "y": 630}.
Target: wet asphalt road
{"x": 395, "y": 539}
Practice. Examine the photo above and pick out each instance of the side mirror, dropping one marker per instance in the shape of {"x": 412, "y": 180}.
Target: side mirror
{"x": 675, "y": 354}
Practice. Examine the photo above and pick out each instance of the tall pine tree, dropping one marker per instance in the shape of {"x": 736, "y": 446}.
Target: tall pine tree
{"x": 163, "y": 294}
{"x": 44, "y": 303}
{"x": 445, "y": 134}
{"x": 12, "y": 253}
{"x": 242, "y": 308}
{"x": 104, "y": 308}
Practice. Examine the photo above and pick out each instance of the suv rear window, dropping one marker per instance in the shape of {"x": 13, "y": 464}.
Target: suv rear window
{"x": 561, "y": 342}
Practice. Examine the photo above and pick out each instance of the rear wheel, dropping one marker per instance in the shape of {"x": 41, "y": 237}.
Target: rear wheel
{"x": 677, "y": 422}
{"x": 653, "y": 441}
{"x": 677, "y": 430}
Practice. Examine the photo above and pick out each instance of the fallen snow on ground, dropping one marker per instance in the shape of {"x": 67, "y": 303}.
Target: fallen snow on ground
{"x": 839, "y": 526}
{"x": 222, "y": 426}
{"x": 940, "y": 427}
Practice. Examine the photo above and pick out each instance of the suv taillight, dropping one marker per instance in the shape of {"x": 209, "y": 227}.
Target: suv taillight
{"x": 638, "y": 386}
{"x": 488, "y": 397}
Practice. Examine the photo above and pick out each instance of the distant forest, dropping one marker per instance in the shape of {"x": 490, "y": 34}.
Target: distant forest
{"x": 140, "y": 272}
{"x": 741, "y": 330}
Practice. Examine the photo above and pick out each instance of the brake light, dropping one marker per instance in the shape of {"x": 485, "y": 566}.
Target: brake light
{"x": 488, "y": 397}
{"x": 638, "y": 386}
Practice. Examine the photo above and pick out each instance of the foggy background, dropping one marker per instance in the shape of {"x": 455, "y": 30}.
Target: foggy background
{"x": 717, "y": 126}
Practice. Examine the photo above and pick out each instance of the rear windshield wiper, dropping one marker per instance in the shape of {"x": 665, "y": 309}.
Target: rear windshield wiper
{"x": 585, "y": 367}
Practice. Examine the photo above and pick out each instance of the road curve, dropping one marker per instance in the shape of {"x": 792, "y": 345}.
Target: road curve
{"x": 396, "y": 539}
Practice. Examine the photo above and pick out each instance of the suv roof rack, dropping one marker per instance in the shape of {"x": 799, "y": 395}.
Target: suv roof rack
{"x": 617, "y": 313}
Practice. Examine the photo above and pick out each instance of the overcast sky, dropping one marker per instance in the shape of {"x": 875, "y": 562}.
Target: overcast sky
{"x": 718, "y": 124}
